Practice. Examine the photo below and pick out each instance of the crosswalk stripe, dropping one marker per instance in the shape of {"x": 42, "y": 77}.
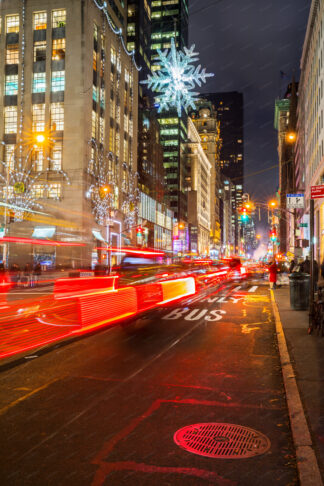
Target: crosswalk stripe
{"x": 253, "y": 289}
{"x": 237, "y": 288}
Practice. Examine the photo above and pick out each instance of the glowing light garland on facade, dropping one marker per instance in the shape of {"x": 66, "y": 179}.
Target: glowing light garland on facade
{"x": 176, "y": 79}
{"x": 21, "y": 184}
{"x": 103, "y": 7}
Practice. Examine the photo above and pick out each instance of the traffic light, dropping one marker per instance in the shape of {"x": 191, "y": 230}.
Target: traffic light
{"x": 273, "y": 234}
{"x": 139, "y": 231}
{"x": 244, "y": 214}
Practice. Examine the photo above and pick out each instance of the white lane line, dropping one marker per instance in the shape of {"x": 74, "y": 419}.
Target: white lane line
{"x": 253, "y": 289}
{"x": 237, "y": 288}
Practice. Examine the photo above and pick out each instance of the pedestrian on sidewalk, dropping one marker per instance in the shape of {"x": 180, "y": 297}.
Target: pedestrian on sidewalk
{"x": 273, "y": 274}
{"x": 305, "y": 266}
{"x": 292, "y": 266}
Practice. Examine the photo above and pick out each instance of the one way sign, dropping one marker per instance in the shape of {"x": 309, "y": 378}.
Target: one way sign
{"x": 295, "y": 201}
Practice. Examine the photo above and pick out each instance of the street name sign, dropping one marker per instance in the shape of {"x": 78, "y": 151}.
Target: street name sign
{"x": 317, "y": 192}
{"x": 295, "y": 201}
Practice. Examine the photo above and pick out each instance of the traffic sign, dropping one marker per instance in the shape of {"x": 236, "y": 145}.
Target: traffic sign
{"x": 295, "y": 201}
{"x": 317, "y": 192}
{"x": 303, "y": 225}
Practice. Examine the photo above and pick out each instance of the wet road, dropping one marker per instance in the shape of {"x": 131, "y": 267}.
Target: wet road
{"x": 104, "y": 409}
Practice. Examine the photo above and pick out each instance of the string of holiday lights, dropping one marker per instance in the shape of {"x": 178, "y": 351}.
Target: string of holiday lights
{"x": 119, "y": 32}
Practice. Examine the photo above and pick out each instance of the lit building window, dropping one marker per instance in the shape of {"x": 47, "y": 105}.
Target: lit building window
{"x": 40, "y": 20}
{"x": 40, "y": 51}
{"x": 94, "y": 60}
{"x": 58, "y": 18}
{"x": 12, "y": 23}
{"x": 56, "y": 162}
{"x": 57, "y": 116}
{"x": 38, "y": 158}
{"x": 39, "y": 82}
{"x": 9, "y": 156}
{"x": 131, "y": 46}
{"x": 102, "y": 98}
{"x": 95, "y": 31}
{"x": 94, "y": 118}
{"x": 111, "y": 139}
{"x": 11, "y": 87}
{"x": 156, "y": 15}
{"x": 12, "y": 54}
{"x": 125, "y": 151}
{"x": 58, "y": 49}
{"x": 38, "y": 114}
{"x": 54, "y": 191}
{"x": 95, "y": 93}
{"x": 125, "y": 123}
{"x": 38, "y": 191}
{"x": 131, "y": 29}
{"x": 113, "y": 55}
{"x": 58, "y": 81}
{"x": 10, "y": 119}
{"x": 102, "y": 128}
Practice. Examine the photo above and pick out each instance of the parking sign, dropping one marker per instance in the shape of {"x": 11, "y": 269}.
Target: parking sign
{"x": 295, "y": 201}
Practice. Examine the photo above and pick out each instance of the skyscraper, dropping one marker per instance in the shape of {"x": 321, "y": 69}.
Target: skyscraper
{"x": 229, "y": 109}
{"x": 170, "y": 19}
{"x": 68, "y": 77}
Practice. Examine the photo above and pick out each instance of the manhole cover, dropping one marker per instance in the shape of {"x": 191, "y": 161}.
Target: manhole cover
{"x": 226, "y": 441}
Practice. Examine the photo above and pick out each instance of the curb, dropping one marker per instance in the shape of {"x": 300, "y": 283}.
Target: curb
{"x": 308, "y": 470}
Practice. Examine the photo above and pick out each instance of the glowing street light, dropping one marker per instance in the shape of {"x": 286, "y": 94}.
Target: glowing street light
{"x": 273, "y": 204}
{"x": 291, "y": 137}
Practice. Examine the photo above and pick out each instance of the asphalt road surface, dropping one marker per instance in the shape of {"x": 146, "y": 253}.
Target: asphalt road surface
{"x": 104, "y": 409}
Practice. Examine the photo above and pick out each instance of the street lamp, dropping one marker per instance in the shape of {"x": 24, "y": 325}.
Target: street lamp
{"x": 291, "y": 137}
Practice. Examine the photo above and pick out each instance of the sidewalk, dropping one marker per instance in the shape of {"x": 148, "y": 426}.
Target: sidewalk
{"x": 307, "y": 357}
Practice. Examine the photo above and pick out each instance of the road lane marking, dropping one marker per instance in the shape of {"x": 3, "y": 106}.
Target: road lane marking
{"x": 253, "y": 289}
{"x": 237, "y": 288}
{"x": 21, "y": 399}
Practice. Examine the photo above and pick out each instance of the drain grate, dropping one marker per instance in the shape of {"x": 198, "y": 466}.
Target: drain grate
{"x": 219, "y": 440}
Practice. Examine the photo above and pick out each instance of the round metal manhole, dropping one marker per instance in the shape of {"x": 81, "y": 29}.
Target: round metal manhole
{"x": 224, "y": 441}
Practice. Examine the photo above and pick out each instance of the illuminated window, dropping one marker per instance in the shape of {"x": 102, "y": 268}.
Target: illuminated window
{"x": 94, "y": 119}
{"x": 111, "y": 139}
{"x": 170, "y": 131}
{"x": 125, "y": 123}
{"x": 102, "y": 98}
{"x": 95, "y": 93}
{"x": 156, "y": 15}
{"x": 58, "y": 18}
{"x": 10, "y": 119}
{"x": 12, "y": 23}
{"x": 157, "y": 35}
{"x": 40, "y": 51}
{"x": 125, "y": 151}
{"x": 54, "y": 191}
{"x": 38, "y": 159}
{"x": 101, "y": 129}
{"x": 12, "y": 54}
{"x": 56, "y": 162}
{"x": 9, "y": 156}
{"x": 156, "y": 46}
{"x": 94, "y": 60}
{"x": 58, "y": 49}
{"x": 37, "y": 191}
{"x": 113, "y": 55}
{"x": 95, "y": 32}
{"x": 131, "y": 46}
{"x": 168, "y": 121}
{"x": 57, "y": 116}
{"x": 38, "y": 114}
{"x": 11, "y": 86}
{"x": 157, "y": 3}
{"x": 39, "y": 82}
{"x": 131, "y": 29}
{"x": 58, "y": 81}
{"x": 40, "y": 20}
{"x": 156, "y": 68}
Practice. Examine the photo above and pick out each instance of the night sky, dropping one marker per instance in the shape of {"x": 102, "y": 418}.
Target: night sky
{"x": 246, "y": 43}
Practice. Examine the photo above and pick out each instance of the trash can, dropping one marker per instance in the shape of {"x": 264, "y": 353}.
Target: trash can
{"x": 299, "y": 290}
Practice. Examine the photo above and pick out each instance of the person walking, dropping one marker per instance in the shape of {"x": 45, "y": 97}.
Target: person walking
{"x": 273, "y": 274}
{"x": 292, "y": 266}
{"x": 305, "y": 266}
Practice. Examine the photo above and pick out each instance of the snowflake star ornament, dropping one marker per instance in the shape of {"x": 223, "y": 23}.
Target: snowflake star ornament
{"x": 176, "y": 79}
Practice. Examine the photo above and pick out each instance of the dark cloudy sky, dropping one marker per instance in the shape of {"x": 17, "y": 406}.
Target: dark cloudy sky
{"x": 246, "y": 43}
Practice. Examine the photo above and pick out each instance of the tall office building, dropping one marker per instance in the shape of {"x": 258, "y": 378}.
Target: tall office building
{"x": 66, "y": 75}
{"x": 229, "y": 109}
{"x": 170, "y": 19}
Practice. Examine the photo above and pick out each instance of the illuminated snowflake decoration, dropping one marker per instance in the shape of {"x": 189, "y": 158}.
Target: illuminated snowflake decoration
{"x": 177, "y": 78}
{"x": 103, "y": 189}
